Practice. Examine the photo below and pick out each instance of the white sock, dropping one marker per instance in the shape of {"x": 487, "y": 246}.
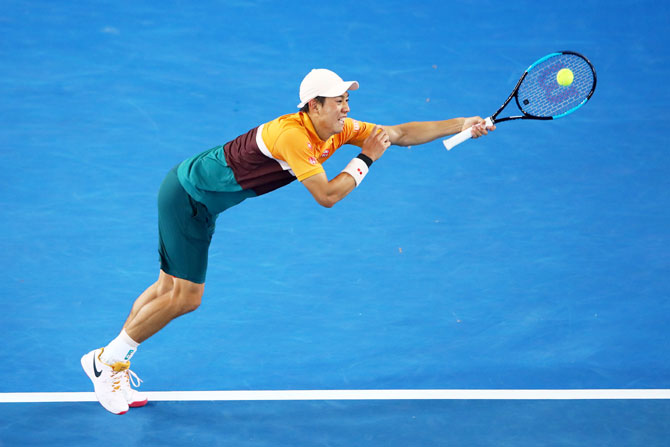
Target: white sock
{"x": 121, "y": 349}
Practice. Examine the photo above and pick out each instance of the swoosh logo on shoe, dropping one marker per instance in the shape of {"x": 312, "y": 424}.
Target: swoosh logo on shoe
{"x": 95, "y": 370}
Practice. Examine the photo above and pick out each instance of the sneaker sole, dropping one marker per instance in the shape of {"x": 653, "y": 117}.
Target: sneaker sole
{"x": 138, "y": 404}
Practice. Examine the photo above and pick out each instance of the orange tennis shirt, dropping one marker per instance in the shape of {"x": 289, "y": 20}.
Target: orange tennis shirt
{"x": 286, "y": 148}
{"x": 294, "y": 143}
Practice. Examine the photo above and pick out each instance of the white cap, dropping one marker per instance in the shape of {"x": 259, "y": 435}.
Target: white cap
{"x": 323, "y": 82}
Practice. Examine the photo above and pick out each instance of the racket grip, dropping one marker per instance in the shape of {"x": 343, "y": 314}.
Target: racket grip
{"x": 462, "y": 136}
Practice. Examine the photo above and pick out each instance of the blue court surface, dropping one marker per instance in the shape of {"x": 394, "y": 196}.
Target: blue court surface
{"x": 536, "y": 258}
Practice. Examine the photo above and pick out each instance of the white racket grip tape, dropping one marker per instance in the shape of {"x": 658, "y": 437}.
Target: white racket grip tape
{"x": 462, "y": 136}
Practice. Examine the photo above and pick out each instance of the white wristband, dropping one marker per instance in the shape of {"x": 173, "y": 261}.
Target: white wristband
{"x": 358, "y": 169}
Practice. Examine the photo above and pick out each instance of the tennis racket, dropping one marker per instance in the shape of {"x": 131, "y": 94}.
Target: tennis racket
{"x": 543, "y": 93}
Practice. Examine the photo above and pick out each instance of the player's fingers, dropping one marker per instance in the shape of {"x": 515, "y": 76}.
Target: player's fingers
{"x": 478, "y": 130}
{"x": 382, "y": 137}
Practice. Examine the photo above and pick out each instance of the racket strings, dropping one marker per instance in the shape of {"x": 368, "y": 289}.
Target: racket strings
{"x": 541, "y": 95}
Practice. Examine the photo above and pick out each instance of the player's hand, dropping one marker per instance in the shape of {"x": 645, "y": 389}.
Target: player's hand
{"x": 478, "y": 125}
{"x": 376, "y": 143}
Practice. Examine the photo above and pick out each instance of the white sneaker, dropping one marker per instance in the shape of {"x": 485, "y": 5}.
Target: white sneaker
{"x": 133, "y": 397}
{"x": 107, "y": 381}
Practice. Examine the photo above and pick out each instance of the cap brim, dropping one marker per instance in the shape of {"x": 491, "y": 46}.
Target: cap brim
{"x": 335, "y": 91}
{"x": 340, "y": 89}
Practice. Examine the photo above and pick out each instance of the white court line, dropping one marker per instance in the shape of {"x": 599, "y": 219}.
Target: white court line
{"x": 288, "y": 395}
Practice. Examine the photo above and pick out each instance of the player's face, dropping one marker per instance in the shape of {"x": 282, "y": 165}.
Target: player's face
{"x": 334, "y": 111}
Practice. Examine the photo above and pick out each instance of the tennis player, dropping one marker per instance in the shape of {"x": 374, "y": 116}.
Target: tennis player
{"x": 198, "y": 189}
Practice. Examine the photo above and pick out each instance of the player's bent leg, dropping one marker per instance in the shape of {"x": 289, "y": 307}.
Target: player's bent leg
{"x": 180, "y": 296}
{"x": 162, "y": 302}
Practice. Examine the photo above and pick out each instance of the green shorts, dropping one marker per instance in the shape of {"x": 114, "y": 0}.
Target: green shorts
{"x": 185, "y": 229}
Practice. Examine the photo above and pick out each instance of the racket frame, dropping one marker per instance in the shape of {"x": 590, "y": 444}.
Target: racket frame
{"x": 515, "y": 92}
{"x": 466, "y": 134}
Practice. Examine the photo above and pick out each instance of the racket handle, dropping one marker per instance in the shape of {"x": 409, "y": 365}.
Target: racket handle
{"x": 462, "y": 136}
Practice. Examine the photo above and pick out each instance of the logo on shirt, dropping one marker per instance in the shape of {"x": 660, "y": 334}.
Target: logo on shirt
{"x": 325, "y": 153}
{"x": 356, "y": 125}
{"x": 312, "y": 160}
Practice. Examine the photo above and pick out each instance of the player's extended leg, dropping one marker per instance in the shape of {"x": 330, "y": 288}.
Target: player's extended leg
{"x": 109, "y": 367}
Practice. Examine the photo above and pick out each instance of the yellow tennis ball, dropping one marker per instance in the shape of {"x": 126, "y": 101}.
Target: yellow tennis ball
{"x": 564, "y": 77}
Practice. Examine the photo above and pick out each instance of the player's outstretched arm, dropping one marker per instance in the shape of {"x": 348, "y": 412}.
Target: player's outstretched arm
{"x": 420, "y": 132}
